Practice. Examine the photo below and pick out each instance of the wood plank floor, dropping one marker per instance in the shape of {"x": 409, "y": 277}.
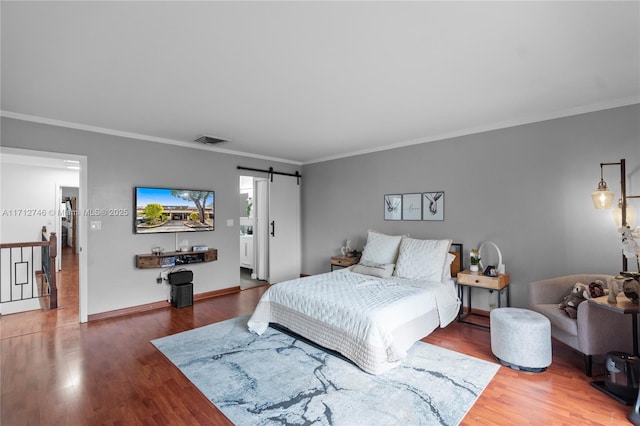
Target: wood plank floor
{"x": 55, "y": 371}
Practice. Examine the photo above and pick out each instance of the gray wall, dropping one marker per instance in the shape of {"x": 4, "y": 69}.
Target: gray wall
{"x": 526, "y": 188}
{"x": 115, "y": 166}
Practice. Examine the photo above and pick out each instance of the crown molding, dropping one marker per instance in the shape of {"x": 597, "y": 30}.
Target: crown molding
{"x": 138, "y": 136}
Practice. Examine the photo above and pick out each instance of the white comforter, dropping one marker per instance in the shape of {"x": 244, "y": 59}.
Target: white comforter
{"x": 372, "y": 321}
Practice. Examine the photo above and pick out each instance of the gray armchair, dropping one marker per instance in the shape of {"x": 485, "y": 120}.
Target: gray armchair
{"x": 595, "y": 331}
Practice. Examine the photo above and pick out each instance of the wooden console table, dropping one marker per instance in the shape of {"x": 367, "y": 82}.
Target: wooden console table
{"x": 164, "y": 260}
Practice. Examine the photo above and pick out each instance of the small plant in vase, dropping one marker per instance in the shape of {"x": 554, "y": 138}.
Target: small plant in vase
{"x": 474, "y": 256}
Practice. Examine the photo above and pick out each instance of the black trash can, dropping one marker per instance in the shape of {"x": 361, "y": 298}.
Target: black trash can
{"x": 181, "y": 295}
{"x": 181, "y": 288}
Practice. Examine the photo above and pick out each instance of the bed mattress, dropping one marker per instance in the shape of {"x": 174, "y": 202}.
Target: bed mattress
{"x": 371, "y": 321}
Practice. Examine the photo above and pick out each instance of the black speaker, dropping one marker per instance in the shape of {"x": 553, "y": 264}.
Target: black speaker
{"x": 182, "y": 295}
{"x": 180, "y": 277}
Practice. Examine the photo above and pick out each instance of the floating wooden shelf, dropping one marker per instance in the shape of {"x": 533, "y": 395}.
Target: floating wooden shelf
{"x": 163, "y": 260}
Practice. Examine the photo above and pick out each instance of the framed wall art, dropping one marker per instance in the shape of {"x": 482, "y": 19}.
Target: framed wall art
{"x": 412, "y": 206}
{"x": 393, "y": 207}
{"x": 433, "y": 205}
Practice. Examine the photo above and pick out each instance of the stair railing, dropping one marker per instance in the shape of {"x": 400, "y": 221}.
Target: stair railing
{"x": 18, "y": 275}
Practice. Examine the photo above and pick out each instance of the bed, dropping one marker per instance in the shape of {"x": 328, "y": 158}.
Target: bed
{"x": 373, "y": 312}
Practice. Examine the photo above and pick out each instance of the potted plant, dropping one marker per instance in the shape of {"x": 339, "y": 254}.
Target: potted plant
{"x": 474, "y": 256}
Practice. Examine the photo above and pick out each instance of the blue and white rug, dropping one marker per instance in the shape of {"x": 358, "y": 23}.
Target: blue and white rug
{"x": 277, "y": 379}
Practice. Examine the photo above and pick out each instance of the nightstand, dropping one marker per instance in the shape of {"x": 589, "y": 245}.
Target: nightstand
{"x": 472, "y": 280}
{"x": 344, "y": 261}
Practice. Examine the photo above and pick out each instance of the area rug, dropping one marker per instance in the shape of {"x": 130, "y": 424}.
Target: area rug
{"x": 278, "y": 379}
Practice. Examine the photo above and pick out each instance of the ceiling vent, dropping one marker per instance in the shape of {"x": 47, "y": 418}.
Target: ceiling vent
{"x": 210, "y": 140}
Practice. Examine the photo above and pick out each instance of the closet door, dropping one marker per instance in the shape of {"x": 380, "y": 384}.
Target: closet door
{"x": 284, "y": 228}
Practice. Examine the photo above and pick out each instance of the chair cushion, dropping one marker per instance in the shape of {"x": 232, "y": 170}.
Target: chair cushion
{"x": 558, "y": 318}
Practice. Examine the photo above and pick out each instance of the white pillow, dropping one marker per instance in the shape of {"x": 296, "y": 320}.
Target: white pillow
{"x": 446, "y": 271}
{"x": 381, "y": 248}
{"x": 374, "y": 269}
{"x": 422, "y": 259}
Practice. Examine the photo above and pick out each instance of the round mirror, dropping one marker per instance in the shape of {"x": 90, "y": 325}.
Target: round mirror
{"x": 485, "y": 255}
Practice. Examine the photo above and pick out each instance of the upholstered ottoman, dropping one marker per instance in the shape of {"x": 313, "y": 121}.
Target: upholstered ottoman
{"x": 521, "y": 339}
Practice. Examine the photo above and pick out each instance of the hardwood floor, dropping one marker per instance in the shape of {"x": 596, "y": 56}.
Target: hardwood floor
{"x": 55, "y": 371}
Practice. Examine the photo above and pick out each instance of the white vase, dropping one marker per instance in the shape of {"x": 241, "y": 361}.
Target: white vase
{"x": 473, "y": 268}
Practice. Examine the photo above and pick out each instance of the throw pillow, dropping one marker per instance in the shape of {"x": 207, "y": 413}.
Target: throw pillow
{"x": 374, "y": 269}
{"x": 595, "y": 289}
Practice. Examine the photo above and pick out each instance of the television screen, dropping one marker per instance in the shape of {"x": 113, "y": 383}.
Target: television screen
{"x": 173, "y": 210}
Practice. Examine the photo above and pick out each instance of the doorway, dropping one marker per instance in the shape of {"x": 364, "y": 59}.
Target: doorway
{"x": 69, "y": 221}
{"x": 250, "y": 250}
{"x": 270, "y": 226}
{"x": 47, "y": 161}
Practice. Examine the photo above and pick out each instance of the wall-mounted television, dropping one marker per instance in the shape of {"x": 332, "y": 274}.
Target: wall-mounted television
{"x": 173, "y": 210}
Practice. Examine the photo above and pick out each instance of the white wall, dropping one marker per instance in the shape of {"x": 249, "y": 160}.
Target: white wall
{"x": 28, "y": 200}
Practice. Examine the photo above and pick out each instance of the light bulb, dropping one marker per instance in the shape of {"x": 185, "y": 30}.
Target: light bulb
{"x": 617, "y": 215}
{"x": 602, "y": 198}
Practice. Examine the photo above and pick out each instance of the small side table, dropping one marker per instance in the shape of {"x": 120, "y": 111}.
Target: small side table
{"x": 622, "y": 306}
{"x": 472, "y": 280}
{"x": 344, "y": 261}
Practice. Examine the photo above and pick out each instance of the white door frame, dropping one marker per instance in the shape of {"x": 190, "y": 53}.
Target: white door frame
{"x": 57, "y": 225}
{"x": 261, "y": 228}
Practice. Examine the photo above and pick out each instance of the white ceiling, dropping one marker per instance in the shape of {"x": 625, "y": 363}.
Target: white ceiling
{"x": 307, "y": 81}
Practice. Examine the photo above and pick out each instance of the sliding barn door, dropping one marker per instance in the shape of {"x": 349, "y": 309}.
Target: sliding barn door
{"x": 284, "y": 228}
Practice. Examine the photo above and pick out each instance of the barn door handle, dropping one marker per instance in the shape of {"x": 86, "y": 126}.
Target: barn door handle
{"x": 273, "y": 228}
